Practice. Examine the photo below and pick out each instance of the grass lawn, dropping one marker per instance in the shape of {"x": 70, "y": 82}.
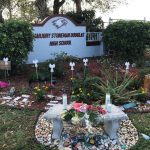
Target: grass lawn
{"x": 142, "y": 123}
{"x": 17, "y": 129}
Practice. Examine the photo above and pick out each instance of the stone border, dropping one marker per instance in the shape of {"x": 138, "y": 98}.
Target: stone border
{"x": 128, "y": 136}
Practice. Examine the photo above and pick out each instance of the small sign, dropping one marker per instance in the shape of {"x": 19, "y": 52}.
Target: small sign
{"x": 5, "y": 67}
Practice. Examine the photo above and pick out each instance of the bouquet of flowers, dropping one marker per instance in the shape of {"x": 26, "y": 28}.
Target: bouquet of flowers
{"x": 81, "y": 113}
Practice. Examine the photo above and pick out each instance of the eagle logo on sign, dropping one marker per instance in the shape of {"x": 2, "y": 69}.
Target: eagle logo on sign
{"x": 60, "y": 22}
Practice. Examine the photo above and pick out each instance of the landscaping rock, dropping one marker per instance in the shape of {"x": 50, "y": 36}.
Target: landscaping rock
{"x": 77, "y": 137}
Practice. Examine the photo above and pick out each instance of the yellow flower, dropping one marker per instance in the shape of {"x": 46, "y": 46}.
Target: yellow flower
{"x": 143, "y": 92}
{"x": 36, "y": 88}
{"x": 35, "y": 93}
{"x": 72, "y": 92}
{"x": 88, "y": 94}
{"x": 46, "y": 87}
{"x": 80, "y": 89}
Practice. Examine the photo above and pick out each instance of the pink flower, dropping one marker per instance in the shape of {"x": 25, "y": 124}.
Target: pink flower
{"x": 77, "y": 106}
{"x": 51, "y": 85}
{"x": 90, "y": 107}
{"x": 3, "y": 84}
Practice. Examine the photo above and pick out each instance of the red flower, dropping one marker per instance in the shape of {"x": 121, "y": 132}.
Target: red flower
{"x": 101, "y": 110}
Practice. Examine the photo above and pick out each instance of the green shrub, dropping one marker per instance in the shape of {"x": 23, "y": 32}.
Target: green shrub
{"x": 16, "y": 42}
{"x": 40, "y": 93}
{"x": 83, "y": 90}
{"x": 88, "y": 17}
{"x": 127, "y": 40}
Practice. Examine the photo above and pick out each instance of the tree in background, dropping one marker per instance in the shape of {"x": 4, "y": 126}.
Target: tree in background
{"x": 42, "y": 8}
{"x": 87, "y": 17}
{"x": 25, "y": 8}
{"x": 57, "y": 5}
{"x": 32, "y": 9}
{"x": 105, "y": 5}
{"x": 2, "y": 7}
{"x": 102, "y": 5}
{"x": 78, "y": 5}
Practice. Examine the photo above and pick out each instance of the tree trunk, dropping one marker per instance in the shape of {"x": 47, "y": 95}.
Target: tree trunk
{"x": 57, "y": 5}
{"x": 78, "y": 6}
{"x": 42, "y": 8}
{"x": 1, "y": 17}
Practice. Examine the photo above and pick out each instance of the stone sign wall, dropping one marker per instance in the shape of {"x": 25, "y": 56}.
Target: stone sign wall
{"x": 60, "y": 34}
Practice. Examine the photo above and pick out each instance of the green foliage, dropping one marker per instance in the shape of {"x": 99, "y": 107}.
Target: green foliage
{"x": 143, "y": 96}
{"x": 60, "y": 60}
{"x": 15, "y": 42}
{"x": 17, "y": 129}
{"x": 42, "y": 76}
{"x": 40, "y": 93}
{"x": 127, "y": 40}
{"x": 144, "y": 71}
{"x": 84, "y": 90}
{"x": 79, "y": 116}
{"x": 141, "y": 122}
{"x": 113, "y": 82}
{"x": 24, "y": 90}
{"x": 87, "y": 17}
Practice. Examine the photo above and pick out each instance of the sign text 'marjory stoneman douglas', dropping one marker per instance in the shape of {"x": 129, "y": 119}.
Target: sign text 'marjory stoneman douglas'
{"x": 58, "y": 35}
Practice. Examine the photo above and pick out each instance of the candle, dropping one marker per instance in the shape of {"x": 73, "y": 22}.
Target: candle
{"x": 64, "y": 101}
{"x": 107, "y": 99}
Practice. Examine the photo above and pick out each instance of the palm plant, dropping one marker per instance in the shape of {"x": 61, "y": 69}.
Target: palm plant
{"x": 117, "y": 85}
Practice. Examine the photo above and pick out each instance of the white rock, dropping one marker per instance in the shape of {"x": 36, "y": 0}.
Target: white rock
{"x": 7, "y": 97}
{"x": 25, "y": 100}
{"x": 50, "y": 96}
{"x": 106, "y": 144}
{"x": 25, "y": 96}
{"x": 17, "y": 98}
{"x": 52, "y": 102}
{"x": 58, "y": 98}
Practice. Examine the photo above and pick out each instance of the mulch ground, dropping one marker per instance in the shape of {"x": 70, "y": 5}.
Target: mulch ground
{"x": 21, "y": 83}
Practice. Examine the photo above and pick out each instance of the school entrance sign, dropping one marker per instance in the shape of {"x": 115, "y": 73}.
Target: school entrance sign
{"x": 58, "y": 34}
